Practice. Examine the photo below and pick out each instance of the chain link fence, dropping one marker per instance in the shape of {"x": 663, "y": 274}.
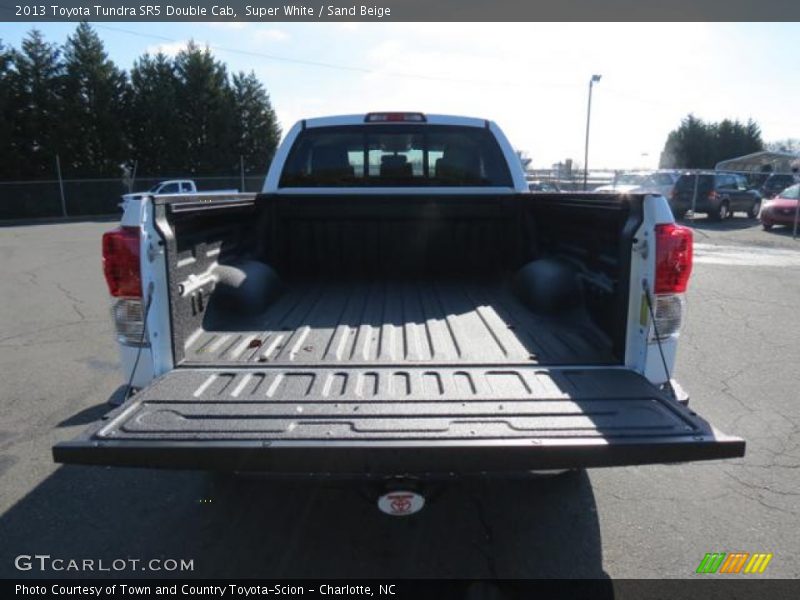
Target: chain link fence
{"x": 94, "y": 197}
{"x": 101, "y": 197}
{"x": 569, "y": 180}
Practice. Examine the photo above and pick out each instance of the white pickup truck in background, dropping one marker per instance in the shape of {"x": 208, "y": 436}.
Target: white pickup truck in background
{"x": 170, "y": 186}
{"x": 174, "y": 186}
{"x": 182, "y": 186}
{"x": 395, "y": 302}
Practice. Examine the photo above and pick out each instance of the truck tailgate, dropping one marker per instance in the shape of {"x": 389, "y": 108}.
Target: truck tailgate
{"x": 396, "y": 420}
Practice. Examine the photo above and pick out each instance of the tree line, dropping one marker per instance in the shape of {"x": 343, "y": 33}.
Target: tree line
{"x": 169, "y": 116}
{"x": 699, "y": 144}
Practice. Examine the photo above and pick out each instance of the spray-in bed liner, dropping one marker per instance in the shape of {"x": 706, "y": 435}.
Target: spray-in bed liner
{"x": 425, "y": 321}
{"x": 390, "y": 420}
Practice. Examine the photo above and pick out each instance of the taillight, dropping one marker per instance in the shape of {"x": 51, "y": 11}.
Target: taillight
{"x": 124, "y": 279}
{"x": 673, "y": 268}
{"x": 128, "y": 316}
{"x": 673, "y": 258}
{"x": 121, "y": 262}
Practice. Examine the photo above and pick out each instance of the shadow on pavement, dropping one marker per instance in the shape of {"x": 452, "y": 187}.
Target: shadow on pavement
{"x": 87, "y": 416}
{"x": 784, "y": 231}
{"x": 94, "y": 413}
{"x": 233, "y": 527}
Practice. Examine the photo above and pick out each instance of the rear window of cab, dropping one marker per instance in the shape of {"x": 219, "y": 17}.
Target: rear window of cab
{"x": 395, "y": 155}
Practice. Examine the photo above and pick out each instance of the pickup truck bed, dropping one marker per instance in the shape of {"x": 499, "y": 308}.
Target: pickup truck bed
{"x": 384, "y": 322}
{"x": 388, "y": 335}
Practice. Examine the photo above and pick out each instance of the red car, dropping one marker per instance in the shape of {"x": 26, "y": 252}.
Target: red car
{"x": 781, "y": 209}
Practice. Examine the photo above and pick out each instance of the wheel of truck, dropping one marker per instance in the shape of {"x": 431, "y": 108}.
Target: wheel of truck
{"x": 721, "y": 213}
{"x": 754, "y": 210}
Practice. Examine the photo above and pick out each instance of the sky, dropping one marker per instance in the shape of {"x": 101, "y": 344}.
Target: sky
{"x": 531, "y": 78}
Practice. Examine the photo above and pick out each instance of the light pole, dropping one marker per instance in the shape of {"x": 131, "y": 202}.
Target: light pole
{"x": 592, "y": 81}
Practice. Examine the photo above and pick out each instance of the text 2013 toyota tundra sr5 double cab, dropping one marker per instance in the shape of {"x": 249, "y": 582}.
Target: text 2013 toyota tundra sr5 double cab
{"x": 396, "y": 303}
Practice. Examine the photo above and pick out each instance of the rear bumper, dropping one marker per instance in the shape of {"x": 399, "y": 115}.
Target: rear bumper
{"x": 384, "y": 459}
{"x": 778, "y": 217}
{"x": 395, "y": 421}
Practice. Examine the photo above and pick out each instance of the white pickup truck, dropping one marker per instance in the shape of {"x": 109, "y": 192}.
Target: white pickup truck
{"x": 174, "y": 186}
{"x": 395, "y": 302}
{"x": 181, "y": 186}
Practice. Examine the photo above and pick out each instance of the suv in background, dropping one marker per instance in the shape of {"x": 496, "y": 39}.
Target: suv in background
{"x": 776, "y": 183}
{"x": 719, "y": 195}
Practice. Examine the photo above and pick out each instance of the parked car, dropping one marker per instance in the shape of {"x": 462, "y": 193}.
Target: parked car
{"x": 719, "y": 195}
{"x": 776, "y": 183}
{"x": 544, "y": 187}
{"x": 395, "y": 305}
{"x": 624, "y": 182}
{"x": 756, "y": 180}
{"x": 782, "y": 209}
{"x": 659, "y": 182}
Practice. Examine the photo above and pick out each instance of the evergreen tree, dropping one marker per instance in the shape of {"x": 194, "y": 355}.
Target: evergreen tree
{"x": 205, "y": 100}
{"x": 736, "y": 139}
{"x": 177, "y": 116}
{"x": 728, "y": 136}
{"x": 6, "y": 118}
{"x": 700, "y": 145}
{"x": 256, "y": 127}
{"x": 753, "y": 139}
{"x": 689, "y": 146}
{"x": 94, "y": 142}
{"x": 35, "y": 99}
{"x": 154, "y": 118}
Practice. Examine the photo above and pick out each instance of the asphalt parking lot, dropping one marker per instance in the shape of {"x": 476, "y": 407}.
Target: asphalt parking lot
{"x": 739, "y": 358}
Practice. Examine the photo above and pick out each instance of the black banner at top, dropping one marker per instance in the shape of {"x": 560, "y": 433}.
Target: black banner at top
{"x": 399, "y": 10}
